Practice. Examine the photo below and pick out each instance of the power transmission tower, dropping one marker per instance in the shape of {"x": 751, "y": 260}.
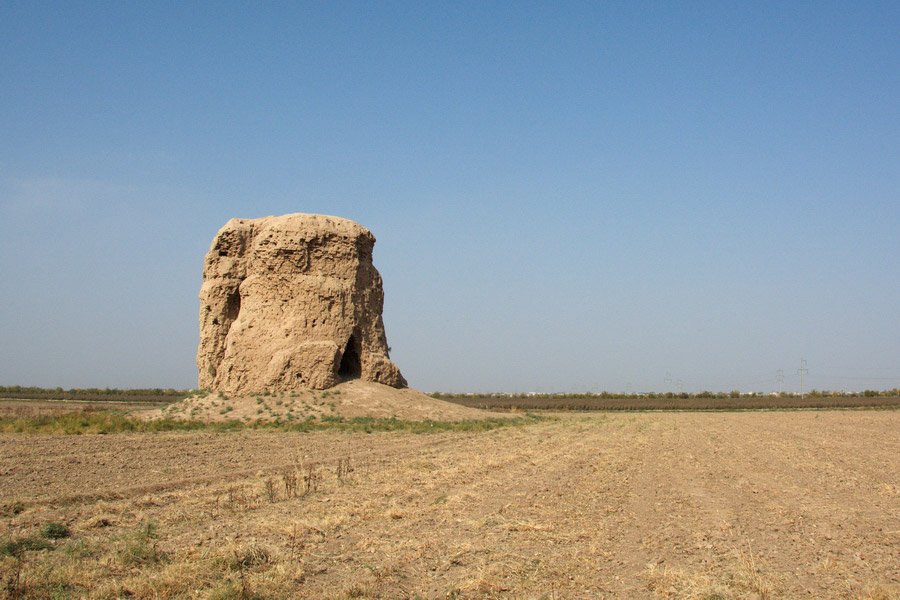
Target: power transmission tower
{"x": 680, "y": 386}
{"x": 668, "y": 382}
{"x": 801, "y": 371}
{"x": 779, "y": 379}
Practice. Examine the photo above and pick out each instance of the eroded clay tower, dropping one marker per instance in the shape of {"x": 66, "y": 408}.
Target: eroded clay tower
{"x": 291, "y": 302}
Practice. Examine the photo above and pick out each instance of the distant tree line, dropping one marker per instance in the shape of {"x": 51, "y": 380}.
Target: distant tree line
{"x": 19, "y": 389}
{"x": 667, "y": 395}
{"x": 92, "y": 394}
{"x": 682, "y": 401}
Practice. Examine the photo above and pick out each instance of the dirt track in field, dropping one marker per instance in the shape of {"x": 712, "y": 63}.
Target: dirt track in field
{"x": 663, "y": 505}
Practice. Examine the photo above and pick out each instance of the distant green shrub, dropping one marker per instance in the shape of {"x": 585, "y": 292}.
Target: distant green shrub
{"x": 55, "y": 531}
{"x": 17, "y": 547}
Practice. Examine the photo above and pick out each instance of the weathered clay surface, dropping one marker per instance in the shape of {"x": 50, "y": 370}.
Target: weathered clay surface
{"x": 292, "y": 302}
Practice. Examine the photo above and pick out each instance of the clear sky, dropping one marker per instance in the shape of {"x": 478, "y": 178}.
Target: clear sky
{"x": 566, "y": 196}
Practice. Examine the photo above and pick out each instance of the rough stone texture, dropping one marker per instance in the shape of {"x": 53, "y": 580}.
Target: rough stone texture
{"x": 291, "y": 302}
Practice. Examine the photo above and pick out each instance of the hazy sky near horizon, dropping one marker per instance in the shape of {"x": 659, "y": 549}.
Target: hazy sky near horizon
{"x": 567, "y": 196}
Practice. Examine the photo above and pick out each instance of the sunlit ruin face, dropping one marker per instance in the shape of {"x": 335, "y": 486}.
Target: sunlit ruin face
{"x": 292, "y": 302}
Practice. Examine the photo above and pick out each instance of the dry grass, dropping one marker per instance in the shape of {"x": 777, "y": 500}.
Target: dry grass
{"x": 97, "y": 421}
{"x": 880, "y": 592}
{"x": 741, "y": 578}
{"x": 113, "y": 553}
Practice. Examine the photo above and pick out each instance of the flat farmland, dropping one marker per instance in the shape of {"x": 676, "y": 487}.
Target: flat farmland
{"x": 14, "y": 408}
{"x": 649, "y": 505}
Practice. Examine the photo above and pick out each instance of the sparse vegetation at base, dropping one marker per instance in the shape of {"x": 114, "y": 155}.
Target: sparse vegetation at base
{"x": 90, "y": 421}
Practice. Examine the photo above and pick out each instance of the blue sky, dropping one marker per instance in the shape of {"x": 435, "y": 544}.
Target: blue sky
{"x": 566, "y": 196}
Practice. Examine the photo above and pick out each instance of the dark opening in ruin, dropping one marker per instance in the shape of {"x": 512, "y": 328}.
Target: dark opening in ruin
{"x": 232, "y": 305}
{"x": 350, "y": 366}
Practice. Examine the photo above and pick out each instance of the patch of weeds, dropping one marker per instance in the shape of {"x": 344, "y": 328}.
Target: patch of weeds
{"x": 279, "y": 402}
{"x": 311, "y": 478}
{"x": 227, "y": 590}
{"x": 344, "y": 468}
{"x": 91, "y": 421}
{"x": 271, "y": 490}
{"x": 228, "y": 425}
{"x": 100, "y": 521}
{"x": 440, "y": 499}
{"x": 35, "y": 544}
{"x": 752, "y": 577}
{"x": 225, "y": 410}
{"x": 259, "y": 400}
{"x": 249, "y": 557}
{"x": 880, "y": 592}
{"x": 17, "y": 547}
{"x": 357, "y": 590}
{"x": 290, "y": 484}
{"x": 734, "y": 582}
{"x": 100, "y": 421}
{"x": 55, "y": 531}
{"x": 140, "y": 548}
{"x": 11, "y": 509}
{"x": 11, "y": 548}
{"x": 78, "y": 549}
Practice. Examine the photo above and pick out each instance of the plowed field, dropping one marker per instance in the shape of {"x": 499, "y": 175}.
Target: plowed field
{"x": 662, "y": 505}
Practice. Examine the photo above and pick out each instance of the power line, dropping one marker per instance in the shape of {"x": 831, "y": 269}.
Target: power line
{"x": 801, "y": 371}
{"x": 859, "y": 378}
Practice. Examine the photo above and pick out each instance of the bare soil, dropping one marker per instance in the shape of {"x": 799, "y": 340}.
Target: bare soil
{"x": 663, "y": 505}
{"x": 25, "y": 408}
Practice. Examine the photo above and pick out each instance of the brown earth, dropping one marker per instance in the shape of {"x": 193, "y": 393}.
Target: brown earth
{"x": 15, "y": 408}
{"x": 663, "y": 505}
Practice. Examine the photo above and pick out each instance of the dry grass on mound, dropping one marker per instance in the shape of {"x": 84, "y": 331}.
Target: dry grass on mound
{"x": 349, "y": 400}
